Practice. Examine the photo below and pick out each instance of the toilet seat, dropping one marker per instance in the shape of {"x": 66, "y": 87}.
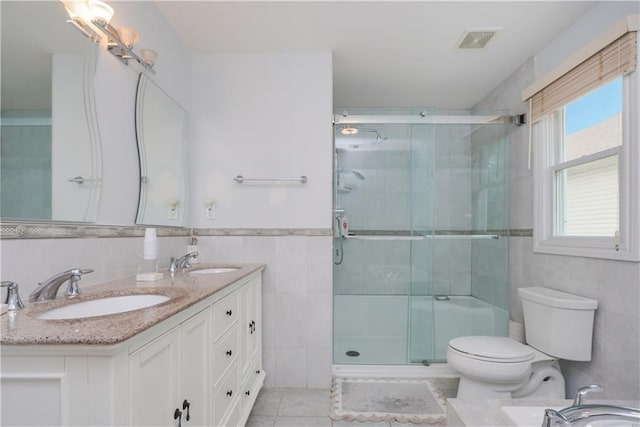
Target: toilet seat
{"x": 492, "y": 349}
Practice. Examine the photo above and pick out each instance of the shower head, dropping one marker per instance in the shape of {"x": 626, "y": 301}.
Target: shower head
{"x": 353, "y": 172}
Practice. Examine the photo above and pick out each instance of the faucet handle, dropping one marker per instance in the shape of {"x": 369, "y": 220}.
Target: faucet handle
{"x": 73, "y": 290}
{"x": 13, "y": 300}
{"x": 582, "y": 392}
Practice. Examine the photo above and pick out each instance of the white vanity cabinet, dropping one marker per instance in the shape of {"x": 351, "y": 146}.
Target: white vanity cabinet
{"x": 168, "y": 377}
{"x": 205, "y": 360}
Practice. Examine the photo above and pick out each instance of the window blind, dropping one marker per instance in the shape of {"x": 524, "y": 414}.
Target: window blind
{"x": 616, "y": 59}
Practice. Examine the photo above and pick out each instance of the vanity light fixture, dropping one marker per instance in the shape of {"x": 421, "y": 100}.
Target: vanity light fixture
{"x": 93, "y": 17}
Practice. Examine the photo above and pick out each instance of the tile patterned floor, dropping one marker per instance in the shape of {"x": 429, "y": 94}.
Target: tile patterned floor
{"x": 288, "y": 407}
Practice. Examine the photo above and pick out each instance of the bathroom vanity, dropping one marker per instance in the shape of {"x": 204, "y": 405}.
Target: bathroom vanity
{"x": 193, "y": 360}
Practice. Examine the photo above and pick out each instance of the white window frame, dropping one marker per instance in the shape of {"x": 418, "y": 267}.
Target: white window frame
{"x": 625, "y": 246}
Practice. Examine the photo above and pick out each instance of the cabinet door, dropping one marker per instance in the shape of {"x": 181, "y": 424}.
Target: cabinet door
{"x": 28, "y": 383}
{"x": 154, "y": 381}
{"x": 195, "y": 336}
{"x": 255, "y": 319}
{"x": 250, "y": 300}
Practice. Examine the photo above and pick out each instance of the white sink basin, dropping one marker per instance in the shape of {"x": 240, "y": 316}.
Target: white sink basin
{"x": 103, "y": 306}
{"x": 214, "y": 270}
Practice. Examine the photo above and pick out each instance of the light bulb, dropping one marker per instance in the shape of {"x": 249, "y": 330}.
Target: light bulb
{"x": 348, "y": 130}
{"x": 100, "y": 11}
{"x": 149, "y": 56}
{"x": 128, "y": 36}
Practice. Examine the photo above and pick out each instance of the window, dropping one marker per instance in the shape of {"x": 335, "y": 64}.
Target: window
{"x": 586, "y": 161}
{"x": 586, "y": 171}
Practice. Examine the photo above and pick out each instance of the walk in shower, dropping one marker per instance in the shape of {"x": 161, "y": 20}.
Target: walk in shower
{"x": 420, "y": 247}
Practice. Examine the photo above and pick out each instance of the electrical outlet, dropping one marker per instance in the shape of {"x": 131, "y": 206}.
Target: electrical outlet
{"x": 210, "y": 211}
{"x": 173, "y": 213}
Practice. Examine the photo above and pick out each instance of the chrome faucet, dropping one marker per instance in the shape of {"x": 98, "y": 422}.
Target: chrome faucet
{"x": 182, "y": 262}
{"x": 582, "y": 392}
{"x": 580, "y": 414}
{"x": 13, "y": 300}
{"x": 48, "y": 289}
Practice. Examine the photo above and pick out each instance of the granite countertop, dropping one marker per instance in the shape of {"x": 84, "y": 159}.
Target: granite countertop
{"x": 22, "y": 327}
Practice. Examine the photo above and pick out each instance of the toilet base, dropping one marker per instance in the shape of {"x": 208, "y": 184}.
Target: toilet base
{"x": 472, "y": 389}
{"x": 545, "y": 382}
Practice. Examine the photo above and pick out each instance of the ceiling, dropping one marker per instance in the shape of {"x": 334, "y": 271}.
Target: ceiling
{"x": 385, "y": 54}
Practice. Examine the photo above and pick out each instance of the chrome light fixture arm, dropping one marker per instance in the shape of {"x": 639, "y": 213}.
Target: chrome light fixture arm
{"x": 117, "y": 48}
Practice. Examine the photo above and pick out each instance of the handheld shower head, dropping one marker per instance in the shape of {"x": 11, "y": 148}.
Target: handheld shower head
{"x": 353, "y": 172}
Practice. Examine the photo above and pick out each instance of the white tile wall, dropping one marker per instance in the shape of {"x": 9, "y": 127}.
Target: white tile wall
{"x": 296, "y": 302}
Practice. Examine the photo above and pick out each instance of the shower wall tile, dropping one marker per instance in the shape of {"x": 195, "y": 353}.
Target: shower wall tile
{"x": 459, "y": 284}
{"x": 397, "y": 212}
{"x": 397, "y": 180}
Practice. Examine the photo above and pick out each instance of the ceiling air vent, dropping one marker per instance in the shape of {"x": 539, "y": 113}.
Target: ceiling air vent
{"x": 476, "y": 39}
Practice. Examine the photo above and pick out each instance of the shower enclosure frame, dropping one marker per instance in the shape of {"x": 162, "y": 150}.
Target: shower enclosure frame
{"x": 422, "y": 117}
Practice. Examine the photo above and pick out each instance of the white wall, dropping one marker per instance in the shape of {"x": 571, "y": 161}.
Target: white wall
{"x": 115, "y": 104}
{"x": 262, "y": 116}
{"x": 615, "y": 284}
{"x": 270, "y": 115}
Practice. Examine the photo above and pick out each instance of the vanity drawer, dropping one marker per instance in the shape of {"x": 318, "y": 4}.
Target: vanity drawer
{"x": 224, "y": 395}
{"x": 225, "y": 352}
{"x": 225, "y": 312}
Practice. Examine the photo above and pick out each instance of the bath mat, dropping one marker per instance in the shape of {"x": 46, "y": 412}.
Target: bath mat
{"x": 404, "y": 400}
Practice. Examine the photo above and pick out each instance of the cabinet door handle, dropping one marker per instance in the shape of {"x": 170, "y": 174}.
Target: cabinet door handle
{"x": 229, "y": 352}
{"x": 177, "y": 415}
{"x": 248, "y": 392}
{"x": 229, "y": 393}
{"x": 258, "y": 371}
{"x": 186, "y": 405}
{"x": 229, "y": 312}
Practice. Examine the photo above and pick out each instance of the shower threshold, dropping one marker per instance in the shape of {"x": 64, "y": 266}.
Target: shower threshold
{"x": 434, "y": 370}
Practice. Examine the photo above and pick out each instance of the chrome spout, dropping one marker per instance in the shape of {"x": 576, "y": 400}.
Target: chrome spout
{"x": 48, "y": 289}
{"x": 182, "y": 262}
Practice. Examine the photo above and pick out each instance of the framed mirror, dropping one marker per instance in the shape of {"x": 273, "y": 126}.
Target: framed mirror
{"x": 161, "y": 126}
{"x": 50, "y": 154}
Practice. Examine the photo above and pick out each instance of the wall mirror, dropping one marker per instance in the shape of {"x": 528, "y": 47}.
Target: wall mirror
{"x": 50, "y": 146}
{"x": 161, "y": 125}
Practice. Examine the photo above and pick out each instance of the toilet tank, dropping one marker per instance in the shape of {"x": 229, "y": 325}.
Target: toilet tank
{"x": 557, "y": 323}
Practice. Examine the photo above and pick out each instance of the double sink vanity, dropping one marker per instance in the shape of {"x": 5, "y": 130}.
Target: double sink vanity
{"x": 184, "y": 350}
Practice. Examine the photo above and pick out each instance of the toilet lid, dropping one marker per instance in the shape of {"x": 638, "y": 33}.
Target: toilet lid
{"x": 501, "y": 349}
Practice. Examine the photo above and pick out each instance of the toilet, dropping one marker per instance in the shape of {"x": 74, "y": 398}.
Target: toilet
{"x": 557, "y": 325}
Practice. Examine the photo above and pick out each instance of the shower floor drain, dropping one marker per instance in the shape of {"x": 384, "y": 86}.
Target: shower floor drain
{"x": 352, "y": 353}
